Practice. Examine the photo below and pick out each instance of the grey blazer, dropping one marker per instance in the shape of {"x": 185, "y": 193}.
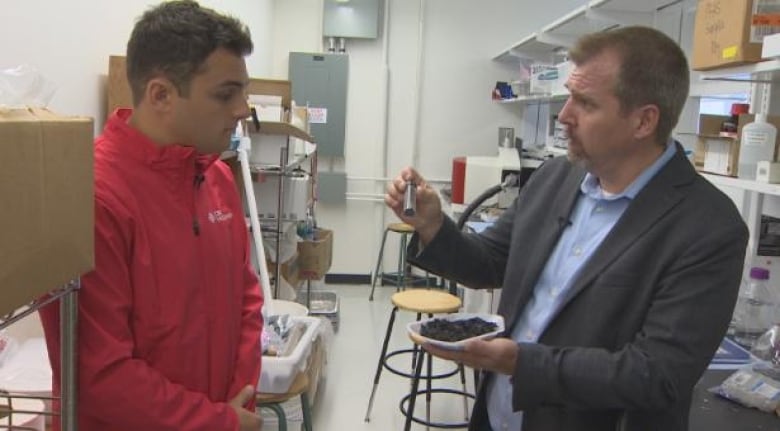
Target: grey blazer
{"x": 644, "y": 317}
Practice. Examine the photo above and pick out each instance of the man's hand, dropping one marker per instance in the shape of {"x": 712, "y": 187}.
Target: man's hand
{"x": 247, "y": 421}
{"x": 498, "y": 355}
{"x": 428, "y": 216}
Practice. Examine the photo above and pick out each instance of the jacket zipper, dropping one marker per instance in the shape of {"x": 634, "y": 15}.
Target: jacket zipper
{"x": 196, "y": 182}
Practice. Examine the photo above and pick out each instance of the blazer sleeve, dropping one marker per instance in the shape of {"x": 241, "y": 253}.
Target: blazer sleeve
{"x": 476, "y": 261}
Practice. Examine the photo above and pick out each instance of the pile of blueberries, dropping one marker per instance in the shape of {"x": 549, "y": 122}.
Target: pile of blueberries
{"x": 456, "y": 330}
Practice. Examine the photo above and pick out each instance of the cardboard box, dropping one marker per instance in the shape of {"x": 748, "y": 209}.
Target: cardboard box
{"x": 316, "y": 255}
{"x": 119, "y": 95}
{"x": 722, "y": 34}
{"x": 714, "y": 153}
{"x": 290, "y": 271}
{"x": 46, "y": 181}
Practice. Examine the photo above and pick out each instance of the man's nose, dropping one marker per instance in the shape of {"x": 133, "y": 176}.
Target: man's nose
{"x": 242, "y": 110}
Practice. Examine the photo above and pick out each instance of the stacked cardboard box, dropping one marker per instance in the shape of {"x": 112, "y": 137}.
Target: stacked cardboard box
{"x": 46, "y": 183}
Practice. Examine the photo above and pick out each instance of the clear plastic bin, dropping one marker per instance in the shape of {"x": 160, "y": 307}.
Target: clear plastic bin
{"x": 278, "y": 372}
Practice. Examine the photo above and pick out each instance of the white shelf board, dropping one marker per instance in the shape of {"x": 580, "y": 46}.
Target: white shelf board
{"x": 719, "y": 89}
{"x": 557, "y": 151}
{"x": 767, "y": 189}
{"x": 536, "y": 98}
{"x": 542, "y": 45}
{"x": 598, "y": 15}
{"x": 768, "y": 70}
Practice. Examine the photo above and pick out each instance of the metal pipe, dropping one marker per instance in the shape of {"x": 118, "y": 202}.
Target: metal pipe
{"x": 418, "y": 84}
{"x": 382, "y": 179}
{"x": 69, "y": 358}
{"x": 279, "y": 216}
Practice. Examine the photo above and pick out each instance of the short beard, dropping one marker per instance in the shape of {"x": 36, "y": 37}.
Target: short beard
{"x": 577, "y": 159}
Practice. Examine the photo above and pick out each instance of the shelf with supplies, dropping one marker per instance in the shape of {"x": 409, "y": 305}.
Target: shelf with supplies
{"x": 596, "y": 15}
{"x": 767, "y": 72}
{"x": 534, "y": 98}
{"x": 751, "y": 205}
{"x": 743, "y": 184}
{"x": 67, "y": 296}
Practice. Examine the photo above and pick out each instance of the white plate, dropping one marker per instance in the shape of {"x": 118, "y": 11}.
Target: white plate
{"x": 414, "y": 330}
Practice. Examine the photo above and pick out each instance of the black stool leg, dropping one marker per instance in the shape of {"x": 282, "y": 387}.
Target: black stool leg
{"x": 413, "y": 395}
{"x": 378, "y": 264}
{"x": 415, "y": 348}
{"x": 400, "y": 280}
{"x": 465, "y": 398}
{"x": 381, "y": 362}
{"x": 428, "y": 387}
{"x": 428, "y": 391}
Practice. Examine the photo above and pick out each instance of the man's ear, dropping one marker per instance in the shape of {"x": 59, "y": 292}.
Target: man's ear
{"x": 647, "y": 121}
{"x": 160, "y": 93}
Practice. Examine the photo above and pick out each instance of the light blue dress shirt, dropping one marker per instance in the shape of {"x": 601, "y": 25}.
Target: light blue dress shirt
{"x": 593, "y": 217}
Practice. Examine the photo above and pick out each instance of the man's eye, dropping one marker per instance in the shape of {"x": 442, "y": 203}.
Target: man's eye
{"x": 224, "y": 96}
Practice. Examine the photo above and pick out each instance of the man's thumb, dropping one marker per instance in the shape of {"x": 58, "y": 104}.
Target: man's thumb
{"x": 244, "y": 396}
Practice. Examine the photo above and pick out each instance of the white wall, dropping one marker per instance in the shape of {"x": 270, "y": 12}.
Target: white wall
{"x": 70, "y": 42}
{"x": 456, "y": 115}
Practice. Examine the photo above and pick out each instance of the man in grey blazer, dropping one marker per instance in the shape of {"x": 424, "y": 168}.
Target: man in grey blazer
{"x": 619, "y": 264}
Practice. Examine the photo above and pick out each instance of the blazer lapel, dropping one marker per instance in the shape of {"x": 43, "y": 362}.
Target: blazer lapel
{"x": 553, "y": 225}
{"x": 658, "y": 197}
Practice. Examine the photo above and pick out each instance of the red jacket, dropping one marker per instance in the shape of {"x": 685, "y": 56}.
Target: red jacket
{"x": 169, "y": 320}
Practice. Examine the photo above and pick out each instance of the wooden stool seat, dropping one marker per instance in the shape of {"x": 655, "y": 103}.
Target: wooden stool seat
{"x": 426, "y": 301}
{"x": 400, "y": 228}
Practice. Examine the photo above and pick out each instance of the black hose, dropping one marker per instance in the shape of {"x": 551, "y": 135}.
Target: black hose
{"x": 487, "y": 194}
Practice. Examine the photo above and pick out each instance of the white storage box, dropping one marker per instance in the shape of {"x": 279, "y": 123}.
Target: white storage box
{"x": 278, "y": 372}
{"x": 269, "y": 140}
{"x": 296, "y": 192}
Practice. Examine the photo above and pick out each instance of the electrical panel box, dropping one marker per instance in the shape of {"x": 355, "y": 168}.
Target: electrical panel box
{"x": 319, "y": 82}
{"x": 350, "y": 18}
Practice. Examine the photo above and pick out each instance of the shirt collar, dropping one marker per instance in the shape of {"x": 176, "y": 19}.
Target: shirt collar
{"x": 591, "y": 187}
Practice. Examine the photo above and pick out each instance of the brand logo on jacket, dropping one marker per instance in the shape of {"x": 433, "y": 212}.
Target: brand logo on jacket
{"x": 219, "y": 216}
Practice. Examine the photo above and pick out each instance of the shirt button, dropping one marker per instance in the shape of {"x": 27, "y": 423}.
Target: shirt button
{"x": 529, "y": 335}
{"x": 577, "y": 251}
{"x": 554, "y": 293}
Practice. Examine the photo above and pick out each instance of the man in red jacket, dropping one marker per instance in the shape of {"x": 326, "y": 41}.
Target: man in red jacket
{"x": 169, "y": 320}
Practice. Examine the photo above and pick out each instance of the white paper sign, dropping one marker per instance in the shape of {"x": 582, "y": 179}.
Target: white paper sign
{"x": 318, "y": 115}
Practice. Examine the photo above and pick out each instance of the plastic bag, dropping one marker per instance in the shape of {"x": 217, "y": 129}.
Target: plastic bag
{"x": 24, "y": 86}
{"x": 767, "y": 347}
{"x": 8, "y": 346}
{"x": 751, "y": 388}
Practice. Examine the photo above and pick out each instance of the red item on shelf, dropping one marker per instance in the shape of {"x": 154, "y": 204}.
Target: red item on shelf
{"x": 458, "y": 179}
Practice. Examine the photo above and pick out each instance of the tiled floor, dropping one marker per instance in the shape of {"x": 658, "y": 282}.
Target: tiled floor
{"x": 343, "y": 398}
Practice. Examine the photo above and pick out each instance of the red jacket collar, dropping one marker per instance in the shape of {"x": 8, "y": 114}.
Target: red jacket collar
{"x": 139, "y": 146}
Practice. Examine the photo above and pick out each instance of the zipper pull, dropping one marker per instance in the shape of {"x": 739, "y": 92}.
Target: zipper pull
{"x": 195, "y": 227}
{"x": 198, "y": 180}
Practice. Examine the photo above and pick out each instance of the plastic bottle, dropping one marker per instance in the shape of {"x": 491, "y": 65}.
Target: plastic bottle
{"x": 755, "y": 309}
{"x": 306, "y": 227}
{"x": 757, "y": 144}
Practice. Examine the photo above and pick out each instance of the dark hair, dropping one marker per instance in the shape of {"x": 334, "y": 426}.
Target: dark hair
{"x": 653, "y": 71}
{"x": 174, "y": 39}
